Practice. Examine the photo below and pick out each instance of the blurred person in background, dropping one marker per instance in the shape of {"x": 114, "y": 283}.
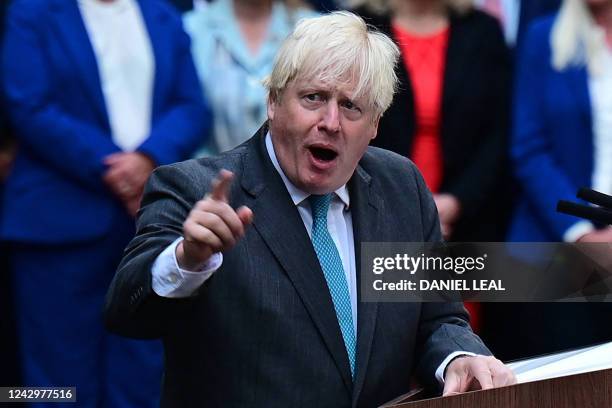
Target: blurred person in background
{"x": 234, "y": 43}
{"x": 562, "y": 140}
{"x": 98, "y": 92}
{"x": 450, "y": 114}
{"x": 515, "y": 15}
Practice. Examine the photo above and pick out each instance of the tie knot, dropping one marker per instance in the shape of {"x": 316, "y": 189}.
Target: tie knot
{"x": 319, "y": 205}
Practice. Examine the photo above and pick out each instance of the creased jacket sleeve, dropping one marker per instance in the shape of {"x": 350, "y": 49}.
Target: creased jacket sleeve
{"x": 133, "y": 309}
{"x": 443, "y": 327}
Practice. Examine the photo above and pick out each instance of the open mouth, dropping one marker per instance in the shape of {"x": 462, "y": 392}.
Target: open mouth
{"x": 323, "y": 154}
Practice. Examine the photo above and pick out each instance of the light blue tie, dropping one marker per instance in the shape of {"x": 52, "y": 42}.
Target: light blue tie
{"x": 331, "y": 263}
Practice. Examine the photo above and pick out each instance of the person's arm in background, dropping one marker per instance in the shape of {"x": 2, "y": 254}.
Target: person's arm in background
{"x": 73, "y": 147}
{"x": 133, "y": 308}
{"x": 175, "y": 133}
{"x": 481, "y": 176}
{"x": 541, "y": 179}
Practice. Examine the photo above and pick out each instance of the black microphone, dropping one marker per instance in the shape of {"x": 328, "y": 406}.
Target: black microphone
{"x": 595, "y": 197}
{"x": 595, "y": 214}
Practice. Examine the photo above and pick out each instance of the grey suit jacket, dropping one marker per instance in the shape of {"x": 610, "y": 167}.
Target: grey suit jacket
{"x": 262, "y": 331}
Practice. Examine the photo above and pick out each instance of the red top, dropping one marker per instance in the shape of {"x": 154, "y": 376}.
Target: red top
{"x": 425, "y": 58}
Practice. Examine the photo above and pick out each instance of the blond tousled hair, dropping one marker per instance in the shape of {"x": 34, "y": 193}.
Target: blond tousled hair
{"x": 575, "y": 38}
{"x": 338, "y": 48}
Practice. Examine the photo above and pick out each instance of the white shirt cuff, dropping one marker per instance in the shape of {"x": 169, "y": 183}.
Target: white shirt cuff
{"x": 573, "y": 233}
{"x": 170, "y": 281}
{"x": 446, "y": 361}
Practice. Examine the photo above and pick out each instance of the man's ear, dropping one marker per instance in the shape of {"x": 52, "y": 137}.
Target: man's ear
{"x": 375, "y": 127}
{"x": 271, "y": 106}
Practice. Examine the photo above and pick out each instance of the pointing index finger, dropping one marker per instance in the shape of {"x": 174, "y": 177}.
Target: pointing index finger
{"x": 220, "y": 186}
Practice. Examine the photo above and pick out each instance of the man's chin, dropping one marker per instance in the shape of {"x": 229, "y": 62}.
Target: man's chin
{"x": 320, "y": 187}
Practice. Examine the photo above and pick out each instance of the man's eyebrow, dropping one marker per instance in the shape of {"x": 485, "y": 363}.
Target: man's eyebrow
{"x": 314, "y": 88}
{"x": 327, "y": 90}
{"x": 352, "y": 99}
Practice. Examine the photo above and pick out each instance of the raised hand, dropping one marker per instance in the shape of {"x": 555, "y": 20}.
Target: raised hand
{"x": 212, "y": 226}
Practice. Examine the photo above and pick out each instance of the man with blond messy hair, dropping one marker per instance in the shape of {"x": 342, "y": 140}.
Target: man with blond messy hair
{"x": 247, "y": 264}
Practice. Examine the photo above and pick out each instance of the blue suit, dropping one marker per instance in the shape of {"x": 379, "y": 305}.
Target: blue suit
{"x": 552, "y": 150}
{"x": 552, "y": 144}
{"x": 68, "y": 230}
{"x": 531, "y": 10}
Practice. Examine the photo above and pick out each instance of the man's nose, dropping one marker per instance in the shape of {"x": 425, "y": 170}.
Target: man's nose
{"x": 331, "y": 117}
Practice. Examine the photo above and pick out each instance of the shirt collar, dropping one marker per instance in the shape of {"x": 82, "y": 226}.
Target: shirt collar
{"x": 298, "y": 195}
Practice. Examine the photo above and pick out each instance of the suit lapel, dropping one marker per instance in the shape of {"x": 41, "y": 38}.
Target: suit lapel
{"x": 578, "y": 83}
{"x": 278, "y": 222}
{"x": 71, "y": 28}
{"x": 366, "y": 206}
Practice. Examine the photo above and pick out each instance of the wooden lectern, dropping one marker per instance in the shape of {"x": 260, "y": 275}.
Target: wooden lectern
{"x": 587, "y": 390}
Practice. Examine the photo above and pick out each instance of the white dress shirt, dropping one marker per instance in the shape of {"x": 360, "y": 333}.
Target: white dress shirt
{"x": 600, "y": 91}
{"x": 169, "y": 280}
{"x": 126, "y": 66}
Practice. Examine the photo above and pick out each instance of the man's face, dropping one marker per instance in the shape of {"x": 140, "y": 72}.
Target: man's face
{"x": 320, "y": 133}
